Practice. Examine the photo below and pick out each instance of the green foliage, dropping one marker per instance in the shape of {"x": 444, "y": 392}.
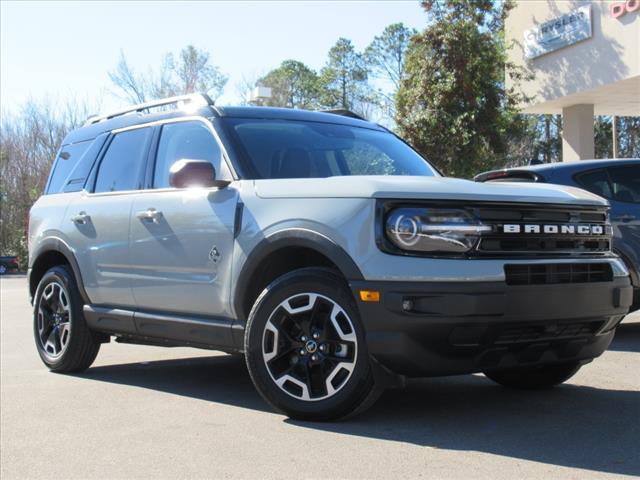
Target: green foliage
{"x": 343, "y": 81}
{"x": 293, "y": 85}
{"x": 628, "y": 135}
{"x": 452, "y": 104}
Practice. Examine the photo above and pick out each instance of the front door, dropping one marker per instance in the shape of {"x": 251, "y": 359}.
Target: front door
{"x": 182, "y": 239}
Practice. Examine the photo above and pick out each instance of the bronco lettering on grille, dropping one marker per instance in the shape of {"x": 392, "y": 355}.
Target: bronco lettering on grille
{"x": 555, "y": 229}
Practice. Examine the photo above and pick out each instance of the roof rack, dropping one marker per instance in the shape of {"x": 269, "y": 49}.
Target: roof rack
{"x": 344, "y": 113}
{"x": 197, "y": 99}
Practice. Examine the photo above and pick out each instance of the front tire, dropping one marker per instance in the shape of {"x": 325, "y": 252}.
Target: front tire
{"x": 535, "y": 378}
{"x": 305, "y": 347}
{"x": 63, "y": 339}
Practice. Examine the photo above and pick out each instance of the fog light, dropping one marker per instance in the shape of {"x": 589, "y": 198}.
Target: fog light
{"x": 407, "y": 305}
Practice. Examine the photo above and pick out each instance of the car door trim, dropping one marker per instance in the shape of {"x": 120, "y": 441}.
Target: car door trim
{"x": 178, "y": 329}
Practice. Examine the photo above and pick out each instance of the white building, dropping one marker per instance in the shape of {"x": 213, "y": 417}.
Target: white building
{"x": 585, "y": 56}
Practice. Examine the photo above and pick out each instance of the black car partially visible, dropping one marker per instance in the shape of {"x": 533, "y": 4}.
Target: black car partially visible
{"x": 8, "y": 263}
{"x": 616, "y": 180}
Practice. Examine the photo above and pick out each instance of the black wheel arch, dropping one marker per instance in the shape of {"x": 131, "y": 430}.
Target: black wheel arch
{"x": 290, "y": 240}
{"x": 50, "y": 252}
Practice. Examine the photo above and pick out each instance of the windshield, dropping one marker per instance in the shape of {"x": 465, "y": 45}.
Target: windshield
{"x": 296, "y": 149}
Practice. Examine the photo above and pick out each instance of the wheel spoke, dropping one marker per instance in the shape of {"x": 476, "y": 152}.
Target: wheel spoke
{"x": 318, "y": 366}
{"x": 50, "y": 344}
{"x": 65, "y": 330}
{"x": 319, "y": 315}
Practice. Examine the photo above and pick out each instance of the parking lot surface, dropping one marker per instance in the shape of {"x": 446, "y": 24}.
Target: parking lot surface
{"x": 148, "y": 412}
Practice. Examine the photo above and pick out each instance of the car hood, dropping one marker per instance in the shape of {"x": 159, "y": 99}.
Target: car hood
{"x": 423, "y": 188}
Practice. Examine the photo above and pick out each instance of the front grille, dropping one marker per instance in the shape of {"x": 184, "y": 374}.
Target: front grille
{"x": 545, "y": 245}
{"x": 557, "y": 273}
{"x": 500, "y": 243}
{"x": 545, "y": 332}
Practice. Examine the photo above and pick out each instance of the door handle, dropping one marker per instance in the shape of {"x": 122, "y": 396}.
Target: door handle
{"x": 81, "y": 218}
{"x": 149, "y": 214}
{"x": 624, "y": 218}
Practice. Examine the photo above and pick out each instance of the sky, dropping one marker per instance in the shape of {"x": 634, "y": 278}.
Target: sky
{"x": 53, "y": 49}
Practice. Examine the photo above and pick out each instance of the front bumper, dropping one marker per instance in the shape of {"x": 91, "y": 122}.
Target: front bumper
{"x": 429, "y": 328}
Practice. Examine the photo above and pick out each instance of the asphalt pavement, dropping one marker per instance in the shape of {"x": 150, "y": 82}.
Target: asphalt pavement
{"x": 150, "y": 412}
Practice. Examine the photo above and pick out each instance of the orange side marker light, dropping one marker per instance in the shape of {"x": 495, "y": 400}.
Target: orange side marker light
{"x": 369, "y": 295}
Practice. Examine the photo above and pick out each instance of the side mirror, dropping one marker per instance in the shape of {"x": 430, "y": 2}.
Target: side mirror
{"x": 194, "y": 173}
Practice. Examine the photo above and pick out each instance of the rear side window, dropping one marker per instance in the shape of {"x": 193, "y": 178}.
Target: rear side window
{"x": 625, "y": 183}
{"x": 68, "y": 158}
{"x": 122, "y": 165}
{"x": 597, "y": 182}
{"x": 185, "y": 140}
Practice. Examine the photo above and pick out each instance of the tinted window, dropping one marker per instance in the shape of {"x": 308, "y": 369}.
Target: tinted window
{"x": 185, "y": 140}
{"x": 122, "y": 165}
{"x": 295, "y": 149}
{"x": 596, "y": 182}
{"x": 68, "y": 158}
{"x": 625, "y": 182}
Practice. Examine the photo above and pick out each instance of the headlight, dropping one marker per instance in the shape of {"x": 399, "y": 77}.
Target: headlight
{"x": 433, "y": 230}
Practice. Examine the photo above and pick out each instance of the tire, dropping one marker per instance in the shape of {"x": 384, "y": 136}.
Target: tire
{"x": 63, "y": 339}
{"x": 321, "y": 377}
{"x": 535, "y": 378}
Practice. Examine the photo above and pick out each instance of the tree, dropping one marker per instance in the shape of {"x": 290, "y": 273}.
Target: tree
{"x": 293, "y": 85}
{"x": 29, "y": 141}
{"x": 191, "y": 72}
{"x": 343, "y": 81}
{"x": 386, "y": 53}
{"x": 385, "y": 57}
{"x": 452, "y": 104}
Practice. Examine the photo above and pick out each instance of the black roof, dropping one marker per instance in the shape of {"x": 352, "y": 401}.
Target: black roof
{"x": 272, "y": 113}
{"x": 90, "y": 131}
{"x": 565, "y": 167}
{"x": 578, "y": 165}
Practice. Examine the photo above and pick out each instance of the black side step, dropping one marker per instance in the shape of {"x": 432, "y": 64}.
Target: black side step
{"x": 156, "y": 328}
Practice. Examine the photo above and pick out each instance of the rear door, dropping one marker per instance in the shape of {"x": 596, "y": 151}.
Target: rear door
{"x": 182, "y": 239}
{"x": 98, "y": 218}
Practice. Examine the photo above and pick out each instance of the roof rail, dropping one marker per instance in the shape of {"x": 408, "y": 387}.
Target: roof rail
{"x": 197, "y": 99}
{"x": 344, "y": 113}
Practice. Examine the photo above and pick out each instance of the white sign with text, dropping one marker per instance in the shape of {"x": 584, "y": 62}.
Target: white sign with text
{"x": 558, "y": 33}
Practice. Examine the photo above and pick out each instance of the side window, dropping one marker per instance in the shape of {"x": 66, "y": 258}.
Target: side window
{"x": 596, "y": 181}
{"x": 68, "y": 158}
{"x": 185, "y": 140}
{"x": 625, "y": 182}
{"x": 122, "y": 165}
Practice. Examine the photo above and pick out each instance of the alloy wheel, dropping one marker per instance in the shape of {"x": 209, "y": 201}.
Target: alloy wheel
{"x": 53, "y": 323}
{"x": 309, "y": 346}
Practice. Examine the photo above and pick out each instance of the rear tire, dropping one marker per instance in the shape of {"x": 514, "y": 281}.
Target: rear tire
{"x": 305, "y": 347}
{"x": 63, "y": 339}
{"x": 535, "y": 378}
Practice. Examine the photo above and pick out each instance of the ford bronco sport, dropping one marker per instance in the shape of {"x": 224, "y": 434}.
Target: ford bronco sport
{"x": 319, "y": 245}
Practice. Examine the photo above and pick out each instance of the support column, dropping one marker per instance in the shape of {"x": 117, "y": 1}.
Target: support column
{"x": 577, "y": 133}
